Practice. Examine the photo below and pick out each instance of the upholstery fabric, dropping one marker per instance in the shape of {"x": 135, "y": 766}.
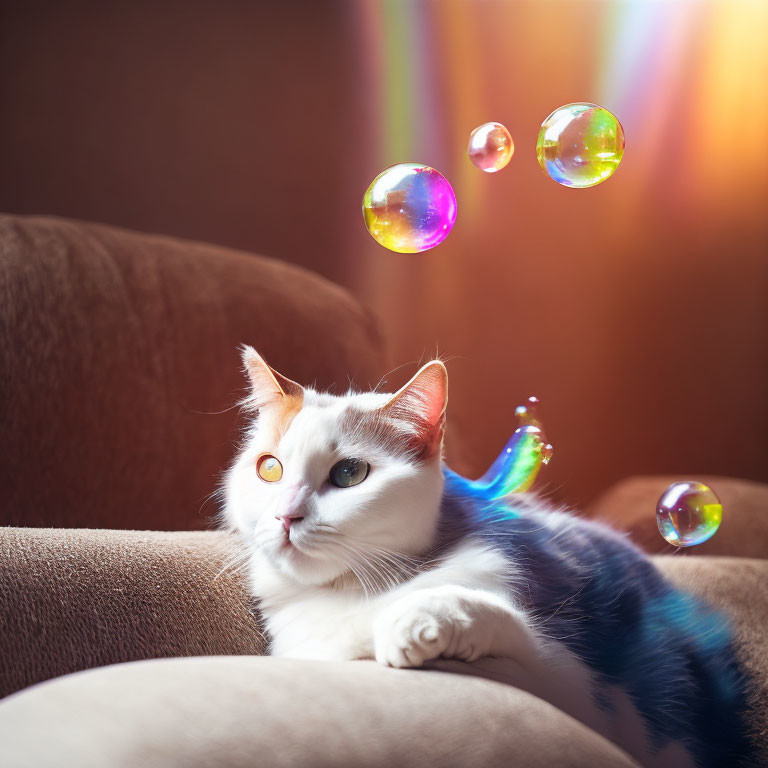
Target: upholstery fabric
{"x": 79, "y": 599}
{"x": 119, "y": 367}
{"x": 248, "y": 711}
{"x": 75, "y": 599}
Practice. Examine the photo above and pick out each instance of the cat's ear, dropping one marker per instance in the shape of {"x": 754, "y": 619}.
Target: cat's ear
{"x": 268, "y": 387}
{"x": 422, "y": 403}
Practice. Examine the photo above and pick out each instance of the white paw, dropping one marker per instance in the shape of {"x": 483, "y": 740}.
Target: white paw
{"x": 452, "y": 622}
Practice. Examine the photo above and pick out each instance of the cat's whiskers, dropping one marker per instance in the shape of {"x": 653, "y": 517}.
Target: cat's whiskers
{"x": 398, "y": 558}
{"x": 382, "y": 569}
{"x": 377, "y": 569}
{"x": 350, "y": 561}
{"x": 369, "y": 581}
{"x": 369, "y": 578}
{"x": 235, "y": 563}
{"x": 410, "y": 563}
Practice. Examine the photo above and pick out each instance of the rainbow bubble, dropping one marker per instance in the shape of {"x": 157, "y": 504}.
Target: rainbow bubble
{"x": 580, "y": 145}
{"x": 517, "y": 466}
{"x": 688, "y": 513}
{"x": 490, "y": 147}
{"x": 409, "y": 208}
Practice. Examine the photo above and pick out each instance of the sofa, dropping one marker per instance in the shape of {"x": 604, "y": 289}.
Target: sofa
{"x": 127, "y": 636}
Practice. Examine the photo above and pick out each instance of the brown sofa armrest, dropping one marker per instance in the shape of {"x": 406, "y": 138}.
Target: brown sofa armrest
{"x": 76, "y": 599}
{"x": 630, "y": 505}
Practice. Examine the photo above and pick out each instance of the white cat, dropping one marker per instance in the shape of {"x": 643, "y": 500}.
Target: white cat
{"x": 358, "y": 549}
{"x": 337, "y": 497}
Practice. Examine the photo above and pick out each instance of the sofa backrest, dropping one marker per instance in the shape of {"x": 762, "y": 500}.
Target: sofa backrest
{"x": 121, "y": 372}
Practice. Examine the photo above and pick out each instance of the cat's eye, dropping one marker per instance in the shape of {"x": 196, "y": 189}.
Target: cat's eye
{"x": 269, "y": 468}
{"x": 348, "y": 472}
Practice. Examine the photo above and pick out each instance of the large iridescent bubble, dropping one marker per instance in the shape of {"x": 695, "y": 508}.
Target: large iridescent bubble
{"x": 580, "y": 145}
{"x": 409, "y": 208}
{"x": 688, "y": 513}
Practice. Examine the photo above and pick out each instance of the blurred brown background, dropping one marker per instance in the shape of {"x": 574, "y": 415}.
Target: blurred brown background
{"x": 637, "y": 311}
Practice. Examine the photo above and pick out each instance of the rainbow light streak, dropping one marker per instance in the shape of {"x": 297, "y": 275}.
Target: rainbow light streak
{"x": 399, "y": 52}
{"x": 399, "y": 62}
{"x": 684, "y": 76}
{"x": 649, "y": 51}
{"x": 648, "y": 48}
{"x": 516, "y": 467}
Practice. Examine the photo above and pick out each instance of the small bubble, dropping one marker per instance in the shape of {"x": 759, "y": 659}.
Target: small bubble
{"x": 490, "y": 147}
{"x": 688, "y": 513}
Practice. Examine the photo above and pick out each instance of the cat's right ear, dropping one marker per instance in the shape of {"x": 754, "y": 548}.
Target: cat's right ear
{"x": 422, "y": 403}
{"x": 268, "y": 387}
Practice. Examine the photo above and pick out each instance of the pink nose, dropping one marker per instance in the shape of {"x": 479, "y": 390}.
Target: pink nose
{"x": 287, "y": 520}
{"x": 291, "y": 503}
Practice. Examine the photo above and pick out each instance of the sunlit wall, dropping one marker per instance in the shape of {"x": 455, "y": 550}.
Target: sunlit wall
{"x": 636, "y": 310}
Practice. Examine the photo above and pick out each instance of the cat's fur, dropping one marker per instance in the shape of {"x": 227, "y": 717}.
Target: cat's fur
{"x": 408, "y": 566}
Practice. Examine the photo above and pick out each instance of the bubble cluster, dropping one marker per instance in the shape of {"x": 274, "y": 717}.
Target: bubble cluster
{"x": 490, "y": 147}
{"x": 517, "y": 466}
{"x": 688, "y": 513}
{"x": 528, "y": 416}
{"x": 580, "y": 145}
{"x": 409, "y": 208}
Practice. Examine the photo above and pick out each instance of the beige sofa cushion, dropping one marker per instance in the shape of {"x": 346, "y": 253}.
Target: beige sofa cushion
{"x": 249, "y": 711}
{"x": 72, "y": 600}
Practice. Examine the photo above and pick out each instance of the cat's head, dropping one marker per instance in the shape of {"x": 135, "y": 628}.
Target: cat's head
{"x": 326, "y": 481}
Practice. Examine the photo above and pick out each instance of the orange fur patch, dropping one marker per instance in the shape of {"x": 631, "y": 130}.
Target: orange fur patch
{"x": 277, "y": 417}
{"x": 289, "y": 407}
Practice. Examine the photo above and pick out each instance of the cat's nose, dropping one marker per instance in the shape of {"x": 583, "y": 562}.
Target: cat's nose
{"x": 291, "y": 507}
{"x": 288, "y": 520}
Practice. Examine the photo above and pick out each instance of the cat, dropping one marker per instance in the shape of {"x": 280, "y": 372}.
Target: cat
{"x": 362, "y": 545}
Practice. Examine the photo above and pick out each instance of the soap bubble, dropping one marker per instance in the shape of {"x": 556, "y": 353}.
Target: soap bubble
{"x": 580, "y": 145}
{"x": 688, "y": 513}
{"x": 409, "y": 208}
{"x": 490, "y": 147}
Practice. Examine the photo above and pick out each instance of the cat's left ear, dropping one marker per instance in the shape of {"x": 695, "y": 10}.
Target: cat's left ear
{"x": 422, "y": 403}
{"x": 268, "y": 387}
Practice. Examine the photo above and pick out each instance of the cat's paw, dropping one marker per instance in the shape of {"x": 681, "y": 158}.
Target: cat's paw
{"x": 452, "y": 622}
{"x": 416, "y": 628}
